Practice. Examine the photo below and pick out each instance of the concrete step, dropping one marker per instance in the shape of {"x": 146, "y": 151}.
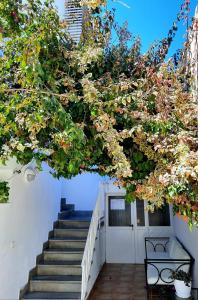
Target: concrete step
{"x": 76, "y": 215}
{"x": 63, "y": 262}
{"x": 59, "y": 269}
{"x": 79, "y": 233}
{"x": 55, "y": 284}
{"x": 82, "y": 213}
{"x": 54, "y": 296}
{"x": 64, "y": 214}
{"x": 70, "y": 207}
{"x": 63, "y": 202}
{"x": 66, "y": 243}
{"x": 68, "y": 238}
{"x": 73, "y": 224}
{"x": 76, "y": 218}
{"x": 59, "y": 274}
{"x": 63, "y": 254}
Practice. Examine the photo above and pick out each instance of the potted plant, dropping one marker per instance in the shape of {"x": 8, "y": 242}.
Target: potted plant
{"x": 182, "y": 283}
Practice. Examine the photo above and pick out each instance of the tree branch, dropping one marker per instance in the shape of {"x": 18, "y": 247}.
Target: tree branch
{"x": 34, "y": 91}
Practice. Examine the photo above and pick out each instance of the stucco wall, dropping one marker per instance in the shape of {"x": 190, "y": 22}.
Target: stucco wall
{"x": 82, "y": 190}
{"x": 24, "y": 225}
{"x": 190, "y": 241}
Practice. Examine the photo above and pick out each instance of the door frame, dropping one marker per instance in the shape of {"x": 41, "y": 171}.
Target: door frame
{"x": 139, "y": 232}
{"x": 106, "y": 211}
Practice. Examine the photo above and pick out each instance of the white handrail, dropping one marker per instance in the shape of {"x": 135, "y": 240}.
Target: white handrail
{"x": 90, "y": 244}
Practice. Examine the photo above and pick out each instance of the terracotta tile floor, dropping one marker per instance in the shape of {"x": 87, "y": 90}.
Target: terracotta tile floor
{"x": 120, "y": 282}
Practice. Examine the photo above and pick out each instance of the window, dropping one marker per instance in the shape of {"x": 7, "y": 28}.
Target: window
{"x": 140, "y": 212}
{"x": 160, "y": 217}
{"x": 119, "y": 211}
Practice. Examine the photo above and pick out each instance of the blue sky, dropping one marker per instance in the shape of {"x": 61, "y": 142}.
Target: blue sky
{"x": 151, "y": 19}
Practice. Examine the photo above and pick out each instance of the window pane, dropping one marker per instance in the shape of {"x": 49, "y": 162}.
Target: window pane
{"x": 140, "y": 212}
{"x": 119, "y": 211}
{"x": 160, "y": 217}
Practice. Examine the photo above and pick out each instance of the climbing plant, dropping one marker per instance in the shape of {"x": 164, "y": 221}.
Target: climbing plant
{"x": 4, "y": 192}
{"x": 97, "y": 105}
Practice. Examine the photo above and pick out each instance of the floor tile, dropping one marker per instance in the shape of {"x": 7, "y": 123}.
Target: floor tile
{"x": 120, "y": 282}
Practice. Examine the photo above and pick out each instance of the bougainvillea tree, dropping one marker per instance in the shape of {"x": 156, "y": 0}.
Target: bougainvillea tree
{"x": 98, "y": 106}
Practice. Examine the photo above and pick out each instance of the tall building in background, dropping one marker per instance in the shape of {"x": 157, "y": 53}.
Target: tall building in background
{"x": 194, "y": 50}
{"x": 74, "y": 18}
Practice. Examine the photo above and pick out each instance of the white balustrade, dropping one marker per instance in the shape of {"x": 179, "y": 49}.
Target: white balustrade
{"x": 90, "y": 243}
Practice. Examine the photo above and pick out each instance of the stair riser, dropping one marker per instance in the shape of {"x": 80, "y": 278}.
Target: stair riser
{"x": 64, "y": 214}
{"x": 54, "y": 286}
{"x": 73, "y": 224}
{"x": 63, "y": 256}
{"x": 70, "y": 233}
{"x": 66, "y": 244}
{"x": 82, "y": 213}
{"x": 58, "y": 270}
{"x": 67, "y": 207}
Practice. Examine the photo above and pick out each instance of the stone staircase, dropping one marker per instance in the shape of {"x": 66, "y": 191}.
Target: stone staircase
{"x": 58, "y": 271}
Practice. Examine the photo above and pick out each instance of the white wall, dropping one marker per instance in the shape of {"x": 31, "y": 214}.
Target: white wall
{"x": 24, "y": 225}
{"x": 190, "y": 242}
{"x": 82, "y": 190}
